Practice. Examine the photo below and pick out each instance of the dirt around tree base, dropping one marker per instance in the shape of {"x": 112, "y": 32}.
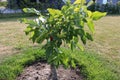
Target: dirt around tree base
{"x": 42, "y": 71}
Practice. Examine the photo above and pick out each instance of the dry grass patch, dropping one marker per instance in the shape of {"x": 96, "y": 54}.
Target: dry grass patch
{"x": 12, "y": 33}
{"x": 12, "y": 37}
{"x": 107, "y": 36}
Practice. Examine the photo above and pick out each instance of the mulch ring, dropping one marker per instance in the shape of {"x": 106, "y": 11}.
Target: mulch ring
{"x": 43, "y": 71}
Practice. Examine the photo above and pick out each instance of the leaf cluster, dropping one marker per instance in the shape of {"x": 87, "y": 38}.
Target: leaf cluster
{"x": 62, "y": 26}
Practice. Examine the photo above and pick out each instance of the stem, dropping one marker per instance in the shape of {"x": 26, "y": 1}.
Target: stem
{"x": 53, "y": 72}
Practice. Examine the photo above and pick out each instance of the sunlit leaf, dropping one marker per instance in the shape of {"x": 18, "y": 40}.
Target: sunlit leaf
{"x": 90, "y": 25}
{"x": 89, "y": 13}
{"x": 28, "y": 30}
{"x": 76, "y": 9}
{"x": 31, "y": 10}
{"x": 79, "y": 1}
{"x": 80, "y": 47}
{"x": 73, "y": 64}
{"x": 54, "y": 12}
{"x": 33, "y": 23}
{"x": 65, "y": 61}
{"x": 97, "y": 15}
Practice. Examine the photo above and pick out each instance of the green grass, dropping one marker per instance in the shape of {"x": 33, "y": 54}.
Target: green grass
{"x": 11, "y": 67}
{"x": 91, "y": 65}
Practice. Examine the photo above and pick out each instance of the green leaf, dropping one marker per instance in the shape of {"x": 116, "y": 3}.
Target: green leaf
{"x": 31, "y": 36}
{"x": 74, "y": 41}
{"x": 31, "y": 10}
{"x": 89, "y": 36}
{"x": 41, "y": 37}
{"x": 65, "y": 61}
{"x": 90, "y": 25}
{"x": 73, "y": 64}
{"x": 33, "y": 23}
{"x": 62, "y": 26}
{"x": 80, "y": 47}
{"x": 72, "y": 45}
{"x": 83, "y": 38}
{"x": 54, "y": 12}
{"x": 34, "y": 35}
{"x": 64, "y": 8}
{"x": 28, "y": 30}
{"x": 52, "y": 58}
{"x": 97, "y": 15}
{"x": 57, "y": 50}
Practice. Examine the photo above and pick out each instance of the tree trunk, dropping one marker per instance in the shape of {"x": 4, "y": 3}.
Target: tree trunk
{"x": 53, "y": 75}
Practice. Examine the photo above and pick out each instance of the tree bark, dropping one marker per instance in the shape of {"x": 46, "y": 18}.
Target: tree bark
{"x": 53, "y": 75}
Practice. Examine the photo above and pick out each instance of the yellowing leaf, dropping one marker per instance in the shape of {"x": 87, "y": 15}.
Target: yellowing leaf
{"x": 90, "y": 25}
{"x": 79, "y": 1}
{"x": 97, "y": 15}
{"x": 76, "y": 9}
{"x": 54, "y": 11}
{"x": 89, "y": 13}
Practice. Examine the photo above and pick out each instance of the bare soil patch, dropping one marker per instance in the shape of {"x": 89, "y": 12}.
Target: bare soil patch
{"x": 42, "y": 71}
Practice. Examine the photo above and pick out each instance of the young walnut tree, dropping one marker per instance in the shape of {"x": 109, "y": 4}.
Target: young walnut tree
{"x": 62, "y": 26}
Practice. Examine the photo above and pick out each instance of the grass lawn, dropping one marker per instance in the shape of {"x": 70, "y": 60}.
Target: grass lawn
{"x": 103, "y": 52}
{"x": 107, "y": 41}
